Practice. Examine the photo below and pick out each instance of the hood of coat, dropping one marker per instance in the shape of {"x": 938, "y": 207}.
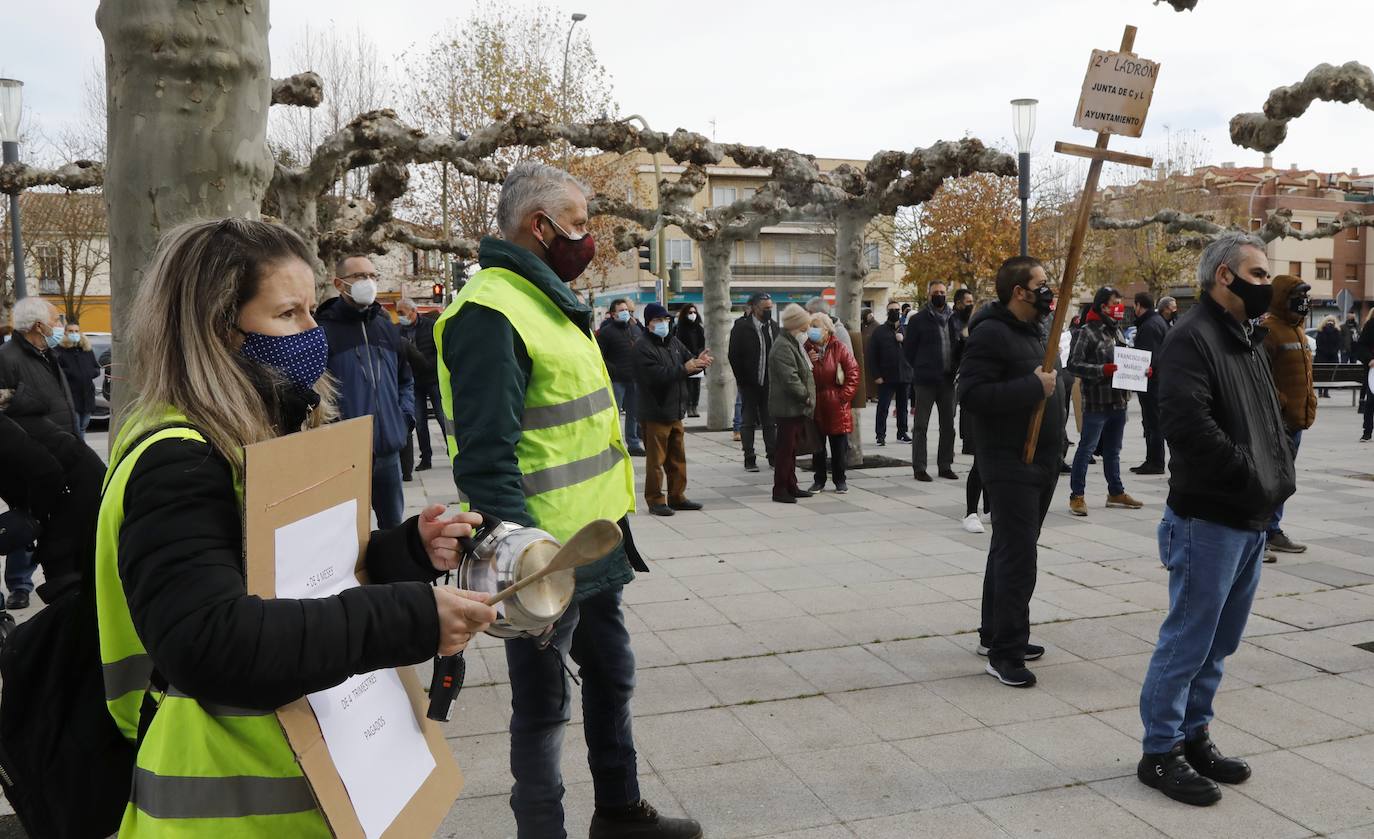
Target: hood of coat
{"x": 1278, "y": 304}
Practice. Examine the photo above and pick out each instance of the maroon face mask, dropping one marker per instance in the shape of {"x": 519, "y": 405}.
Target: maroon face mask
{"x": 569, "y": 257}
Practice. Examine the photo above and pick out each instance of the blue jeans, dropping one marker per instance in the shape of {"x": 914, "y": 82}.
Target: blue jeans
{"x": 739, "y": 411}
{"x": 627, "y": 398}
{"x": 593, "y": 633}
{"x": 1274, "y": 529}
{"x": 19, "y": 571}
{"x": 1213, "y": 573}
{"x": 1108, "y": 427}
{"x": 83, "y": 422}
{"x": 388, "y": 500}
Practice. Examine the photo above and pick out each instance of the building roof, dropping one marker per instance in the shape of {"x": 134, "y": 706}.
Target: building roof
{"x": 63, "y": 212}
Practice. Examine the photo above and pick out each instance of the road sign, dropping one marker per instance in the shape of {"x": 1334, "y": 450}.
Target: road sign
{"x": 1116, "y": 93}
{"x": 1345, "y": 301}
{"x": 828, "y": 296}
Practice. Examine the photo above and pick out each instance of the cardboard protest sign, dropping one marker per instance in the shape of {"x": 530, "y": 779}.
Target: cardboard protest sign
{"x": 1116, "y": 93}
{"x": 1131, "y": 365}
{"x": 377, "y": 766}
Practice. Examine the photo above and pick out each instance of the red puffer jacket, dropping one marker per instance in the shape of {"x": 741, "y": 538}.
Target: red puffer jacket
{"x": 832, "y": 400}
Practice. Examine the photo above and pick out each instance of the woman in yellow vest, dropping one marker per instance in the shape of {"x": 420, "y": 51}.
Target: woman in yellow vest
{"x": 223, "y": 352}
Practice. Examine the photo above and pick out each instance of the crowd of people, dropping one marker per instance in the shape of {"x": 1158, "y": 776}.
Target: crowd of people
{"x": 543, "y": 410}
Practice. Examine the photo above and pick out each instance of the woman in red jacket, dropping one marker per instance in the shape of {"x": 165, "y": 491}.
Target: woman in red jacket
{"x": 837, "y": 380}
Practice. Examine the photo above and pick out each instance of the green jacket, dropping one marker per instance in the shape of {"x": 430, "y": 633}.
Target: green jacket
{"x": 791, "y": 387}
{"x": 487, "y": 411}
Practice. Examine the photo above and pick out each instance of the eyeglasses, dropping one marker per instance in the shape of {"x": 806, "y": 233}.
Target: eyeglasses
{"x": 353, "y": 278}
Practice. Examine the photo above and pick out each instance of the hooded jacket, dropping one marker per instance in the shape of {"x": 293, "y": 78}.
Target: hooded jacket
{"x": 367, "y": 358}
{"x": 1290, "y": 359}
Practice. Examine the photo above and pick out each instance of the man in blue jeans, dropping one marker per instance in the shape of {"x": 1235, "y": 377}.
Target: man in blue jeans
{"x": 1093, "y": 361}
{"x": 1232, "y": 466}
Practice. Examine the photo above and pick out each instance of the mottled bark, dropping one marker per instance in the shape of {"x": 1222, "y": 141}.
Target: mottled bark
{"x": 1180, "y": 5}
{"x": 1279, "y": 225}
{"x": 79, "y": 174}
{"x": 850, "y": 271}
{"x": 1350, "y": 82}
{"x": 303, "y": 90}
{"x": 715, "y": 291}
{"x": 187, "y": 91}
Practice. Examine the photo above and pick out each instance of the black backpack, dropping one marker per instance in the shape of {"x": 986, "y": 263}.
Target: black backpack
{"x": 64, "y": 765}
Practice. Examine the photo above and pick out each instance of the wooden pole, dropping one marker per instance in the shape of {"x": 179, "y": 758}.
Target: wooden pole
{"x": 1080, "y": 231}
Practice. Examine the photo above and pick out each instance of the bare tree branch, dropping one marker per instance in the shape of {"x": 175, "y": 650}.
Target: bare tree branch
{"x": 1350, "y": 82}
{"x": 1279, "y": 225}
{"x": 79, "y": 174}
{"x": 1180, "y": 5}
{"x": 304, "y": 90}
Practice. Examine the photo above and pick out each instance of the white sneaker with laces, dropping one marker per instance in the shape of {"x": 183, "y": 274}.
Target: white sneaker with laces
{"x": 972, "y": 524}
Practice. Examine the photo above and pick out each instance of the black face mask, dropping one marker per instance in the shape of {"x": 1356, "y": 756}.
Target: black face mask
{"x": 1300, "y": 304}
{"x": 893, "y": 315}
{"x": 937, "y": 300}
{"x": 1256, "y": 298}
{"x": 1044, "y": 298}
{"x": 765, "y": 315}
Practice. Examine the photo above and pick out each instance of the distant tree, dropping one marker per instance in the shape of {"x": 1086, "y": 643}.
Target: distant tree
{"x": 65, "y": 236}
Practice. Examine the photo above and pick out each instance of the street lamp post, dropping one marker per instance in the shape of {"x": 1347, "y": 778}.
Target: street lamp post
{"x": 11, "y": 98}
{"x": 1023, "y": 123}
{"x": 577, "y": 18}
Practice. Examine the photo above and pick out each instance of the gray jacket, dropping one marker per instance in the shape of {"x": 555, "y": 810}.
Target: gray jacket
{"x": 791, "y": 387}
{"x": 43, "y": 389}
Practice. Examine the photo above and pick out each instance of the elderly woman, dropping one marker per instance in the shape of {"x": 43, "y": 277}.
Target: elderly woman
{"x": 791, "y": 400}
{"x": 836, "y": 373}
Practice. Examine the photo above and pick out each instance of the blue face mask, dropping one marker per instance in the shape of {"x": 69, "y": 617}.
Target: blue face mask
{"x": 404, "y": 321}
{"x": 661, "y": 328}
{"x": 301, "y": 358}
{"x": 623, "y": 315}
{"x": 814, "y": 334}
{"x": 54, "y": 339}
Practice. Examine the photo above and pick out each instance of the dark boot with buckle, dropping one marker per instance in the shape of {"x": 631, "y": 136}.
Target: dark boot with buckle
{"x": 640, "y": 821}
{"x": 1171, "y": 774}
{"x": 1202, "y": 754}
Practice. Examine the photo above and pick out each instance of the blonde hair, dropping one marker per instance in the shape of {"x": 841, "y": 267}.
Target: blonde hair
{"x": 182, "y": 328}
{"x": 1331, "y": 319}
{"x": 823, "y": 320}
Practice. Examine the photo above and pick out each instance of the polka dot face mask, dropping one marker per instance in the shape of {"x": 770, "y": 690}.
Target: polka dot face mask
{"x": 301, "y": 358}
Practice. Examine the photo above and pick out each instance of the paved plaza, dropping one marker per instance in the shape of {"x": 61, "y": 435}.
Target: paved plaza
{"x": 808, "y": 670}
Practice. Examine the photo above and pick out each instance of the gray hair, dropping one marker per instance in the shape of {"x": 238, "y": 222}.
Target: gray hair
{"x": 29, "y": 311}
{"x": 532, "y": 186}
{"x": 406, "y": 302}
{"x": 1223, "y": 250}
{"x": 1166, "y": 302}
{"x": 817, "y": 305}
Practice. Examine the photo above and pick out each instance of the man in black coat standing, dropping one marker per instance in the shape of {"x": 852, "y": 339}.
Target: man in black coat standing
{"x": 664, "y": 367}
{"x": 617, "y": 338}
{"x": 891, "y": 373}
{"x": 751, "y": 339}
{"x": 1001, "y": 382}
{"x": 1150, "y": 329}
{"x": 931, "y": 347}
{"x": 418, "y": 331}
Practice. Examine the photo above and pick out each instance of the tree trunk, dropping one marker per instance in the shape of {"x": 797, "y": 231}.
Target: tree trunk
{"x": 299, "y": 210}
{"x": 850, "y": 271}
{"x": 187, "y": 92}
{"x": 715, "y": 286}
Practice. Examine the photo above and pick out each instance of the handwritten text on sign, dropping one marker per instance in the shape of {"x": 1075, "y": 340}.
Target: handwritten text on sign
{"x": 1116, "y": 93}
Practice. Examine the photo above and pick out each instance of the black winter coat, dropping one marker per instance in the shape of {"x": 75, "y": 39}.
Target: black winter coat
{"x": 23, "y": 366}
{"x": 424, "y": 363}
{"x": 692, "y": 335}
{"x": 1231, "y": 462}
{"x": 1150, "y": 331}
{"x": 1328, "y": 345}
{"x": 924, "y": 347}
{"x": 81, "y": 369}
{"x": 886, "y": 360}
{"x": 617, "y": 342}
{"x": 749, "y": 355}
{"x": 662, "y": 375}
{"x": 1000, "y": 391}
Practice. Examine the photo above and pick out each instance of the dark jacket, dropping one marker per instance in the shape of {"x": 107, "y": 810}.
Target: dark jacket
{"x": 931, "y": 346}
{"x": 1231, "y": 462}
{"x": 1362, "y": 350}
{"x": 1289, "y": 358}
{"x": 1000, "y": 391}
{"x": 662, "y": 378}
{"x": 791, "y": 385}
{"x": 692, "y": 335}
{"x": 1096, "y": 347}
{"x": 1350, "y": 331}
{"x": 749, "y": 348}
{"x": 367, "y": 358}
{"x": 488, "y": 409}
{"x": 21, "y": 363}
{"x": 81, "y": 370}
{"x": 617, "y": 342}
{"x": 885, "y": 358}
{"x": 1150, "y": 331}
{"x": 1328, "y": 344}
{"x": 424, "y": 362}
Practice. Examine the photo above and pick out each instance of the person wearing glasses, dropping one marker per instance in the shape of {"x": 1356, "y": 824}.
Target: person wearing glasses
{"x": 368, "y": 362}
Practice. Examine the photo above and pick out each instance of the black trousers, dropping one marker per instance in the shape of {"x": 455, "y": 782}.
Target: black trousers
{"x": 423, "y": 394}
{"x": 754, "y": 405}
{"x": 887, "y": 391}
{"x": 1149, "y": 418}
{"x": 693, "y": 394}
{"x": 839, "y": 451}
{"x": 1009, "y": 581}
{"x": 973, "y": 490}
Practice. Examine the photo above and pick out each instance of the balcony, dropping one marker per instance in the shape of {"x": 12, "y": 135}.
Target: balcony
{"x": 819, "y": 272}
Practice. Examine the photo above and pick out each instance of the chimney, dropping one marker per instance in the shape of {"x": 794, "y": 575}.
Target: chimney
{"x": 1292, "y": 167}
{"x": 1268, "y": 161}
{"x": 1354, "y": 171}
{"x": 1228, "y": 164}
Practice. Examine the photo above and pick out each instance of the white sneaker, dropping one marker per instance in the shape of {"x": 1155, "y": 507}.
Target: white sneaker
{"x": 972, "y": 524}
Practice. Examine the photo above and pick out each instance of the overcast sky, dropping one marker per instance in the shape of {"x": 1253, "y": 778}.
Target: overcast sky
{"x": 844, "y": 78}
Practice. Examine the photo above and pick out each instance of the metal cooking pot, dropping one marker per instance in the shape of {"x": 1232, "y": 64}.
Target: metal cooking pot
{"x": 501, "y": 554}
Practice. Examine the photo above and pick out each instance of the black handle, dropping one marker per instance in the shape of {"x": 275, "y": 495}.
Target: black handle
{"x": 449, "y": 671}
{"x": 489, "y": 523}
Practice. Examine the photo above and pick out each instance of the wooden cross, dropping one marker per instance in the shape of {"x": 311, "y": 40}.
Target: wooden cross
{"x": 1097, "y": 154}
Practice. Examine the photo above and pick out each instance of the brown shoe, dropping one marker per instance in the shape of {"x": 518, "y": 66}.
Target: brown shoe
{"x": 735, "y": 436}
{"x": 1123, "y": 500}
{"x": 1077, "y": 505}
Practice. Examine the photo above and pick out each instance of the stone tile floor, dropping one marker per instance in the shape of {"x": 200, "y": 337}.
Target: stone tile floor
{"x": 808, "y": 670}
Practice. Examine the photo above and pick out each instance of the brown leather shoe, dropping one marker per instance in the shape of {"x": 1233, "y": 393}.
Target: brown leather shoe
{"x": 1123, "y": 500}
{"x": 1077, "y": 505}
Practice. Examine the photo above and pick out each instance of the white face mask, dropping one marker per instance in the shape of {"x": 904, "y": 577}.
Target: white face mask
{"x": 692, "y": 316}
{"x": 363, "y": 292}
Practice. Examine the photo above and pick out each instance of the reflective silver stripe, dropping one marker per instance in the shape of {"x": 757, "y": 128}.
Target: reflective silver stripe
{"x": 548, "y": 416}
{"x": 126, "y": 675}
{"x": 557, "y": 477}
{"x": 230, "y": 797}
{"x": 217, "y": 710}
{"x": 1293, "y": 346}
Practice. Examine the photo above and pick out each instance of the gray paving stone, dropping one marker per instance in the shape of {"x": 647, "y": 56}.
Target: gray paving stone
{"x": 847, "y": 668}
{"x": 1086, "y": 748}
{"x": 665, "y": 690}
{"x": 729, "y": 796}
{"x": 804, "y": 725}
{"x": 1071, "y": 813}
{"x": 751, "y": 680}
{"x": 960, "y": 821}
{"x": 992, "y": 703}
{"x": 1308, "y": 793}
{"x": 1234, "y": 817}
{"x": 1278, "y": 719}
{"x": 924, "y": 659}
{"x": 983, "y": 764}
{"x": 1350, "y": 758}
{"x": 867, "y": 780}
{"x": 1087, "y": 685}
{"x": 695, "y": 738}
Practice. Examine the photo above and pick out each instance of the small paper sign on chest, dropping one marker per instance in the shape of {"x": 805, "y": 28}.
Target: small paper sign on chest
{"x": 1132, "y": 366}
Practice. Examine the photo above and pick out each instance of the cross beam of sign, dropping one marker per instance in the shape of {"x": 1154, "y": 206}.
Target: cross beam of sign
{"x": 1098, "y": 155}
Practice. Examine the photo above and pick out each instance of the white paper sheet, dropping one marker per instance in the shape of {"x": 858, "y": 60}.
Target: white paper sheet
{"x": 368, "y": 723}
{"x": 1131, "y": 365}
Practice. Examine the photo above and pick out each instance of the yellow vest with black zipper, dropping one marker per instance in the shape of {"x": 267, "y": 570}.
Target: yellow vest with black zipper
{"x": 202, "y": 769}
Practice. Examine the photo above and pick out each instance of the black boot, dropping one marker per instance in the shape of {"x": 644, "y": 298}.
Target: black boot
{"x": 423, "y": 465}
{"x": 640, "y": 821}
{"x": 1170, "y": 774}
{"x": 1202, "y": 754}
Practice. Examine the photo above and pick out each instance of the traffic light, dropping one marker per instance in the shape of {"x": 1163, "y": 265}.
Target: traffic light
{"x": 646, "y": 258}
{"x": 437, "y": 293}
{"x": 675, "y": 279}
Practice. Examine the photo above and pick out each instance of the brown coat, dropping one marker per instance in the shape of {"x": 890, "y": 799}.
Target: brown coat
{"x": 1291, "y": 358}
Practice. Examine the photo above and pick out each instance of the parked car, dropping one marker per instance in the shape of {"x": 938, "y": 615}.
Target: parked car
{"x": 100, "y": 345}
